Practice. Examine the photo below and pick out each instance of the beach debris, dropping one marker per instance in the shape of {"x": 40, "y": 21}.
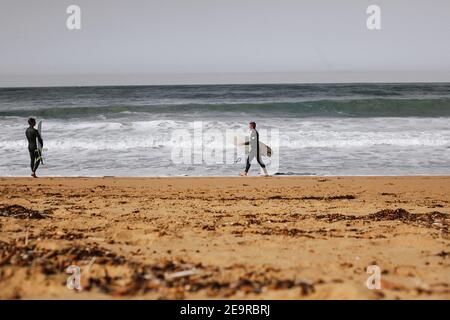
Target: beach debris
{"x": 89, "y": 265}
{"x": 185, "y": 273}
{"x": 20, "y": 212}
{"x": 26, "y": 237}
{"x": 436, "y": 220}
{"x": 169, "y": 278}
{"x": 443, "y": 254}
{"x": 209, "y": 227}
{"x": 389, "y": 214}
{"x": 291, "y": 232}
{"x": 322, "y": 198}
{"x": 334, "y": 217}
{"x": 338, "y": 197}
{"x": 274, "y": 197}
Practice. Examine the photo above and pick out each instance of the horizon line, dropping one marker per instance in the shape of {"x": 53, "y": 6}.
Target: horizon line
{"x": 205, "y": 79}
{"x": 226, "y": 84}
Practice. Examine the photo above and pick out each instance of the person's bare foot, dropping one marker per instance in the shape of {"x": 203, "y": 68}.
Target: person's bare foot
{"x": 34, "y": 175}
{"x": 243, "y": 174}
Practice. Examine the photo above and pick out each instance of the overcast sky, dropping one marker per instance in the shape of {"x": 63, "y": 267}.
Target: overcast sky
{"x": 209, "y": 41}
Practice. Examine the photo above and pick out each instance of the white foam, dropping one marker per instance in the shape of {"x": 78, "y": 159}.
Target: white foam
{"x": 130, "y": 146}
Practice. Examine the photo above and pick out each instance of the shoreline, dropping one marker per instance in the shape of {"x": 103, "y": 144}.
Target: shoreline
{"x": 233, "y": 176}
{"x": 231, "y": 237}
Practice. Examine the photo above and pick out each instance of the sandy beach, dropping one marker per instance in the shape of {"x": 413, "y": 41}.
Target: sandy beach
{"x": 209, "y": 238}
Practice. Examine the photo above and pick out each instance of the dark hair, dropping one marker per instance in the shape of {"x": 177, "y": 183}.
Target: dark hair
{"x": 253, "y": 124}
{"x": 32, "y": 121}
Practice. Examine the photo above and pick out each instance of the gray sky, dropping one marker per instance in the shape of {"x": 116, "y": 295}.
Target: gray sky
{"x": 222, "y": 41}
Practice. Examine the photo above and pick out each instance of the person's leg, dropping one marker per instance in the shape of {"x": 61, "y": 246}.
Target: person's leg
{"x": 263, "y": 166}
{"x": 247, "y": 166}
{"x": 37, "y": 157}
{"x": 35, "y": 163}
{"x": 31, "y": 160}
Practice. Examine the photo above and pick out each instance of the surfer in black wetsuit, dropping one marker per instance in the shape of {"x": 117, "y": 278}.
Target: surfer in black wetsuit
{"x": 254, "y": 150}
{"x": 35, "y": 155}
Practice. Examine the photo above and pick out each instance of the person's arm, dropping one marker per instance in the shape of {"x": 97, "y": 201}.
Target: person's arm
{"x": 253, "y": 139}
{"x": 250, "y": 139}
{"x": 39, "y": 138}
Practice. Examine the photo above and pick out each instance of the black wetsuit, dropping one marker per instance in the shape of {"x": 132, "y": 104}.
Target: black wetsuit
{"x": 254, "y": 150}
{"x": 32, "y": 137}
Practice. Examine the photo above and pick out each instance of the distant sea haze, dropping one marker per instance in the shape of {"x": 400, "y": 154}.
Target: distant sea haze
{"x": 324, "y": 129}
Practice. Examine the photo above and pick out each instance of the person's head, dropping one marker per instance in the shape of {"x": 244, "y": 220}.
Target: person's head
{"x": 252, "y": 125}
{"x": 32, "y": 122}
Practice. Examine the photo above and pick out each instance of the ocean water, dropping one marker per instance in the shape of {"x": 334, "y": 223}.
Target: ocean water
{"x": 316, "y": 129}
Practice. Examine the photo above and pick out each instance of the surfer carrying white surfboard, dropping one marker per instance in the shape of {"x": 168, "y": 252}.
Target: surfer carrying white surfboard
{"x": 253, "y": 142}
{"x": 33, "y": 138}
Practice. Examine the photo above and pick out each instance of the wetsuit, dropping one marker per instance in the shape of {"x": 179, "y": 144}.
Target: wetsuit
{"x": 254, "y": 151}
{"x": 35, "y": 156}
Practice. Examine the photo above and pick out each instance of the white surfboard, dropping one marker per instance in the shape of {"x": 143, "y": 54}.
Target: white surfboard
{"x": 39, "y": 145}
{"x": 264, "y": 150}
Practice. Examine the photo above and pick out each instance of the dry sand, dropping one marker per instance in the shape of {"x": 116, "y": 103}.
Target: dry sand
{"x": 244, "y": 238}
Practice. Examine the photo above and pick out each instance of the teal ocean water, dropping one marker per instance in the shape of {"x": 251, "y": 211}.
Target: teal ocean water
{"x": 321, "y": 129}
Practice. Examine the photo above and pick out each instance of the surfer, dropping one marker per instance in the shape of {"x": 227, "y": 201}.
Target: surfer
{"x": 35, "y": 156}
{"x": 254, "y": 150}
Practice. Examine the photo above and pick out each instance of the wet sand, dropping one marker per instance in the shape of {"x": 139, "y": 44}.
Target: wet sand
{"x": 242, "y": 238}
